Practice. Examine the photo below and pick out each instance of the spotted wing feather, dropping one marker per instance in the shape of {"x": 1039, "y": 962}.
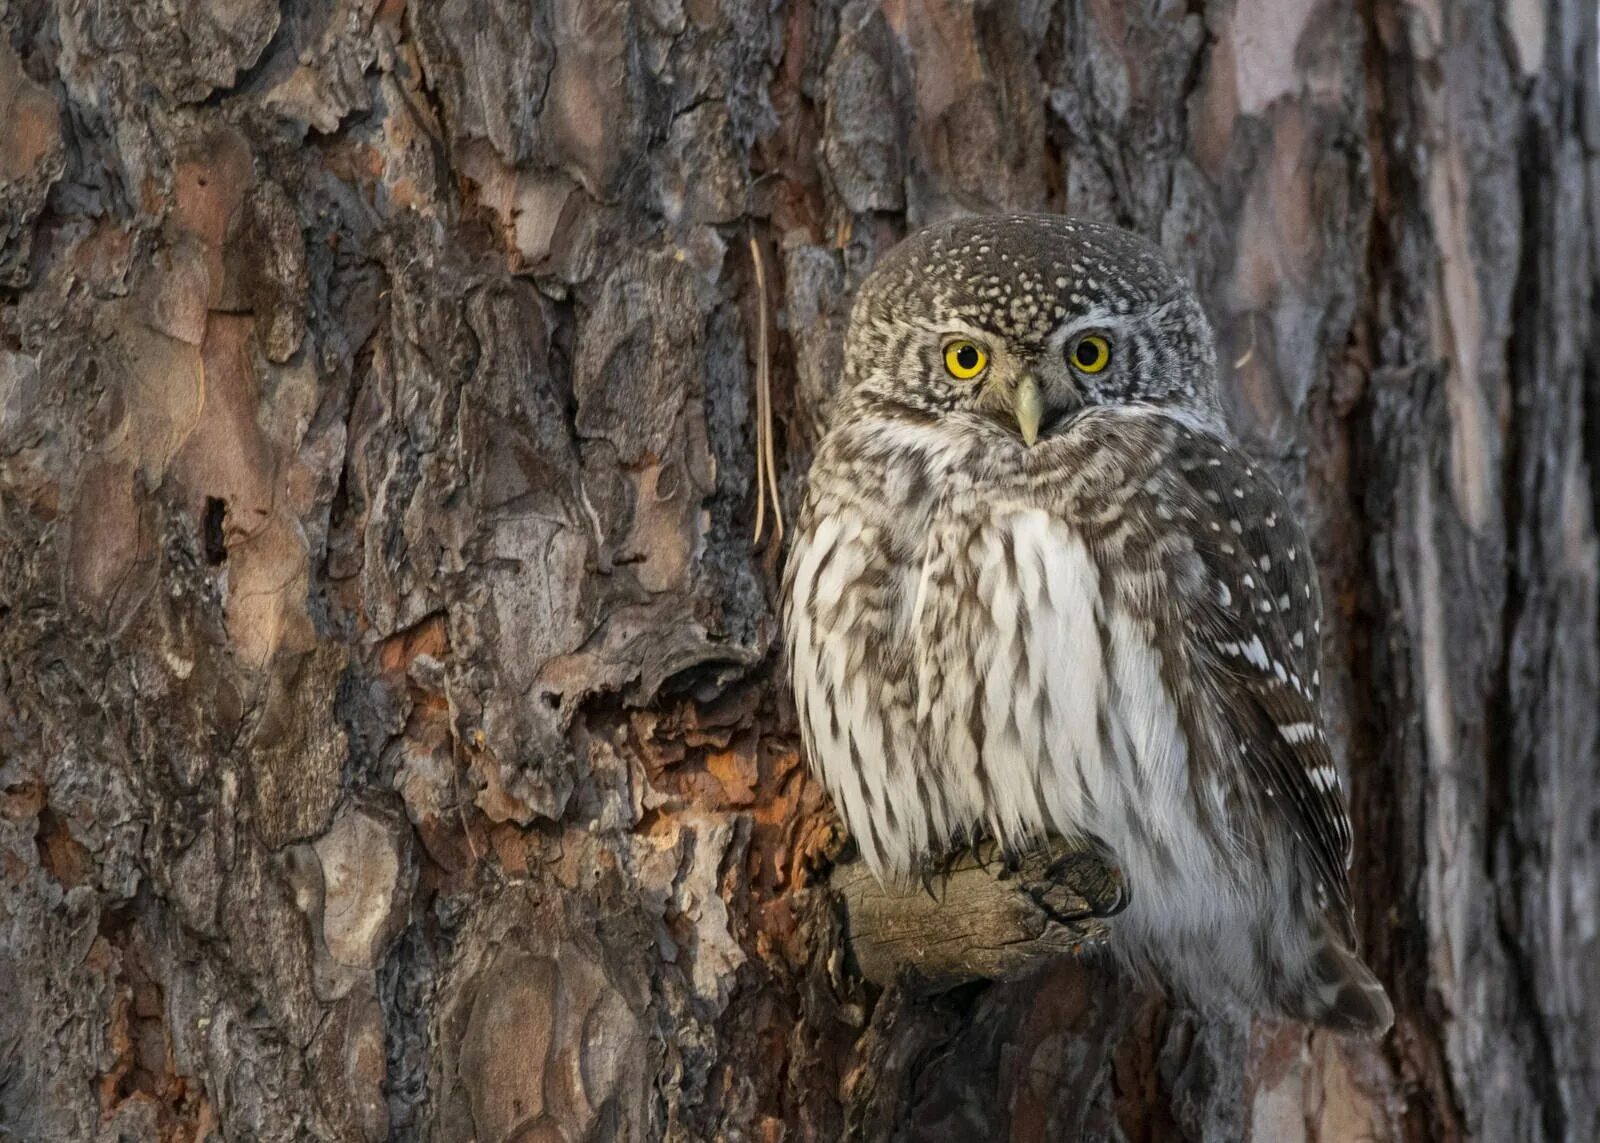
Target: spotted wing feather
{"x": 1254, "y": 626}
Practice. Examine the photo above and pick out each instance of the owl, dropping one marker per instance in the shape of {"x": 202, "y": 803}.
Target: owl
{"x": 1039, "y": 592}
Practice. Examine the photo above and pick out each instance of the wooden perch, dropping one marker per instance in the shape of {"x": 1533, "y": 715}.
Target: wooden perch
{"x": 978, "y": 922}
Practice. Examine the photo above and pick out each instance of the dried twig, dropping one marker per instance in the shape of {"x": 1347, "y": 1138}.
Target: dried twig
{"x": 766, "y": 463}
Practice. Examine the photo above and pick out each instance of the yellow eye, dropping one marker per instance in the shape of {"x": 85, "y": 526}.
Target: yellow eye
{"x": 965, "y": 359}
{"x": 1091, "y": 354}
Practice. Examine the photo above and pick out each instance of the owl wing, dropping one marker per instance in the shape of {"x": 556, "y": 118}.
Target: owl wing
{"x": 1253, "y": 619}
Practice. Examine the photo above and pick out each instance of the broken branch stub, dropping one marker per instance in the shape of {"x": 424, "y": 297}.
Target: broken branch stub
{"x": 979, "y": 921}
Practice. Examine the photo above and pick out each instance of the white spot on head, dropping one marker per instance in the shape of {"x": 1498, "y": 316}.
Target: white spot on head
{"x": 1264, "y": 563}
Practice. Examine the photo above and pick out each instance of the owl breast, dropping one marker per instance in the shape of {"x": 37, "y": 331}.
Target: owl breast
{"x": 850, "y": 602}
{"x": 962, "y": 656}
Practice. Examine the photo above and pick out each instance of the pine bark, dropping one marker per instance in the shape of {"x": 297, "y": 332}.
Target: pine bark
{"x": 392, "y": 735}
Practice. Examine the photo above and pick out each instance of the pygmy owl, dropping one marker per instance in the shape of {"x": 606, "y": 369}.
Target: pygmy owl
{"x": 1039, "y": 591}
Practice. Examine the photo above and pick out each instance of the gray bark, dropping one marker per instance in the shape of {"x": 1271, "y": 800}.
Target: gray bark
{"x": 392, "y": 742}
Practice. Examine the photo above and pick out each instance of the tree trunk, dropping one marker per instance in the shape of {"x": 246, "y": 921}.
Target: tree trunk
{"x": 392, "y": 736}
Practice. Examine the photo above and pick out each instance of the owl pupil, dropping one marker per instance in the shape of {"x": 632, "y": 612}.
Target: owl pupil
{"x": 967, "y": 357}
{"x": 1088, "y": 354}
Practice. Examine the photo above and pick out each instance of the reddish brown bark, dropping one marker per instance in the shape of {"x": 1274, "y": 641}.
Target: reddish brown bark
{"x": 390, "y": 736}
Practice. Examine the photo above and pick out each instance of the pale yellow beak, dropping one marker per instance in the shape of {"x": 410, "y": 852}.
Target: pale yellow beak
{"x": 1029, "y": 408}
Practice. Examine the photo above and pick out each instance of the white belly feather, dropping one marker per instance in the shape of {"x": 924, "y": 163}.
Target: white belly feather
{"x": 1038, "y": 708}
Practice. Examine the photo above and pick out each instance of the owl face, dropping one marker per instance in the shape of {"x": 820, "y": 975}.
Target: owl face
{"x": 1025, "y": 320}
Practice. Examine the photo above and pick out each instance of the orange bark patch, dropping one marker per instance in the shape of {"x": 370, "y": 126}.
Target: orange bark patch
{"x": 208, "y": 186}
{"x": 736, "y": 772}
{"x": 109, "y": 540}
{"x": 429, "y": 637}
{"x": 33, "y": 123}
{"x": 511, "y": 847}
{"x": 143, "y": 1070}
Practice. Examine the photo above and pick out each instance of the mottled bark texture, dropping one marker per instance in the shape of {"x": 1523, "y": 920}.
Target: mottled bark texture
{"x": 391, "y": 736}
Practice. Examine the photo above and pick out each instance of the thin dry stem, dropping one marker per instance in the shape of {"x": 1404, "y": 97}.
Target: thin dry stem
{"x": 766, "y": 462}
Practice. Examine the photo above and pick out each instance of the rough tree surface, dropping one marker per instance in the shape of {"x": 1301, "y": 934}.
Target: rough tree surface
{"x": 391, "y": 736}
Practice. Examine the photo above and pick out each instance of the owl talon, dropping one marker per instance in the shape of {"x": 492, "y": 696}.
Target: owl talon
{"x": 975, "y": 849}
{"x": 1098, "y": 882}
{"x": 1076, "y": 877}
{"x": 1077, "y": 916}
{"x": 1122, "y": 900}
{"x": 1037, "y": 896}
{"x": 939, "y": 869}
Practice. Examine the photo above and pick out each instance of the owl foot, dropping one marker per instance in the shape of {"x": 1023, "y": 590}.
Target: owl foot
{"x": 1011, "y": 863}
{"x": 977, "y": 849}
{"x": 1100, "y": 886}
{"x": 941, "y": 869}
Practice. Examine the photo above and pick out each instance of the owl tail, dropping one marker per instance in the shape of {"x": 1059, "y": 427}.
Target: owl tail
{"x": 1340, "y": 993}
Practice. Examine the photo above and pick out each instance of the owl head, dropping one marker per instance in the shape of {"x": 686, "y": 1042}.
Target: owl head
{"x": 1025, "y": 320}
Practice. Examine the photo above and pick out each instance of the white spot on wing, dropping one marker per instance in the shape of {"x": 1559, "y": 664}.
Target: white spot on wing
{"x": 1255, "y": 653}
{"x": 1298, "y": 732}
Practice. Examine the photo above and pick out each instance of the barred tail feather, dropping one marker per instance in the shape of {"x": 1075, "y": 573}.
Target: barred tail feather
{"x": 1340, "y": 993}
